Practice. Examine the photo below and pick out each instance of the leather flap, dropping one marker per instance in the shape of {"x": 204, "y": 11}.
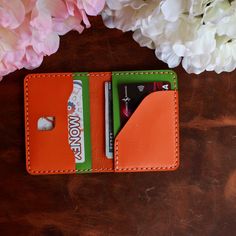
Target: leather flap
{"x": 47, "y": 152}
{"x": 149, "y": 141}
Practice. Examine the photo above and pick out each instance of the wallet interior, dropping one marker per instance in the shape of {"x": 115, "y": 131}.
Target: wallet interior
{"x": 149, "y": 141}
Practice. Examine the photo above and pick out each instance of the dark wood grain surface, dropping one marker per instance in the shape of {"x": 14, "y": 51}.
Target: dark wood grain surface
{"x": 197, "y": 199}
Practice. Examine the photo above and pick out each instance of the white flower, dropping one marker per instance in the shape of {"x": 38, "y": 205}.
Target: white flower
{"x": 199, "y": 33}
{"x": 127, "y": 14}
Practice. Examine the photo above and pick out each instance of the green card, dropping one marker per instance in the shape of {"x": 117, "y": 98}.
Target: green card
{"x": 79, "y": 122}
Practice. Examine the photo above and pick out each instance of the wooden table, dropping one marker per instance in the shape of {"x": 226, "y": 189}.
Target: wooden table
{"x": 197, "y": 199}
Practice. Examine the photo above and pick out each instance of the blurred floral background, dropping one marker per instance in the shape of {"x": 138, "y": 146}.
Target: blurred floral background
{"x": 30, "y": 29}
{"x": 199, "y": 34}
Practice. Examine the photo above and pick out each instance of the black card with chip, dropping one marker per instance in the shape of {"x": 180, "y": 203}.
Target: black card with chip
{"x": 131, "y": 95}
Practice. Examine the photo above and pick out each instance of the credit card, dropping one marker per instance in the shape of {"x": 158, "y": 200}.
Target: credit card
{"x": 108, "y": 121}
{"x": 136, "y": 77}
{"x": 132, "y": 94}
{"x": 76, "y": 122}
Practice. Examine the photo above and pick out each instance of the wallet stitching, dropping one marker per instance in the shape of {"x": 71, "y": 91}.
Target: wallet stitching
{"x": 145, "y": 73}
{"x": 100, "y": 74}
{"x": 28, "y": 130}
{"x": 176, "y": 132}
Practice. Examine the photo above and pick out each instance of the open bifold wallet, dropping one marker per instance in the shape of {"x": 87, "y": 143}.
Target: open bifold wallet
{"x": 101, "y": 122}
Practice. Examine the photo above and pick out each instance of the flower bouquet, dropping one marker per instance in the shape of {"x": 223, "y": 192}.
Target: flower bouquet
{"x": 30, "y": 29}
{"x": 200, "y": 34}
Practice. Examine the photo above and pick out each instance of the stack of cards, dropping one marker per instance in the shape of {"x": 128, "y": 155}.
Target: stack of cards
{"x": 130, "y": 95}
{"x": 122, "y": 98}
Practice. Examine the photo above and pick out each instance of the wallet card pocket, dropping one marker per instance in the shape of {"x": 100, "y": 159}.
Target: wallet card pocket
{"x": 149, "y": 141}
{"x": 66, "y": 146}
{"x": 48, "y": 152}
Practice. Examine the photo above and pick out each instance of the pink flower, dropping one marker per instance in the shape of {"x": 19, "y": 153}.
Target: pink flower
{"x": 12, "y": 13}
{"x": 30, "y": 29}
{"x": 91, "y": 7}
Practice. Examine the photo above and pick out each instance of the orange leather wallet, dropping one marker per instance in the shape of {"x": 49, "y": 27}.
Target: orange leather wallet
{"x": 149, "y": 141}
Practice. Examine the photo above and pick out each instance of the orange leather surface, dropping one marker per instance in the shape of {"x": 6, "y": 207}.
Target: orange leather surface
{"x": 48, "y": 152}
{"x": 149, "y": 140}
{"x": 97, "y": 116}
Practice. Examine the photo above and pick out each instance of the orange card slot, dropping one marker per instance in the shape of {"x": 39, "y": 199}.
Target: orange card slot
{"x": 48, "y": 152}
{"x": 149, "y": 140}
